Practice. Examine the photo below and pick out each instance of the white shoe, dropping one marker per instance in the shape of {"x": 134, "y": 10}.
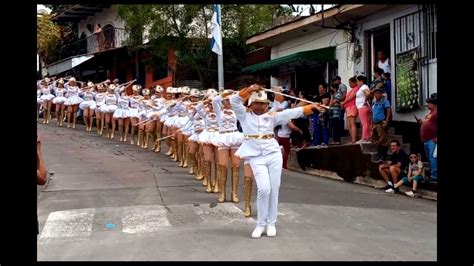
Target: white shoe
{"x": 359, "y": 141}
{"x": 257, "y": 232}
{"x": 410, "y": 194}
{"x": 390, "y": 190}
{"x": 271, "y": 230}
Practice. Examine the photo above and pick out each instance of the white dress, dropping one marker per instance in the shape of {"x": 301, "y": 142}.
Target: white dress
{"x": 210, "y": 134}
{"x": 46, "y": 94}
{"x": 60, "y": 99}
{"x": 99, "y": 101}
{"x": 122, "y": 110}
{"x": 110, "y": 104}
{"x": 88, "y": 101}
{"x": 229, "y": 136}
{"x": 72, "y": 95}
{"x": 134, "y": 105}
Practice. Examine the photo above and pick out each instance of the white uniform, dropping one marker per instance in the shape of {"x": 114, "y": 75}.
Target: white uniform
{"x": 99, "y": 101}
{"x": 60, "y": 92}
{"x": 134, "y": 105}
{"x": 229, "y": 136}
{"x": 110, "y": 104}
{"x": 263, "y": 153}
{"x": 72, "y": 95}
{"x": 183, "y": 118}
{"x": 199, "y": 124}
{"x": 88, "y": 101}
{"x": 211, "y": 131}
{"x": 46, "y": 93}
{"x": 38, "y": 96}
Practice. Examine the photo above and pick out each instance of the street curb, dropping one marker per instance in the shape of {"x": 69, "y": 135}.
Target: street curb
{"x": 367, "y": 181}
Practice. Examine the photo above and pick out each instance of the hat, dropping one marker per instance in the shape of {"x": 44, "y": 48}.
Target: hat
{"x": 169, "y": 89}
{"x": 258, "y": 97}
{"x": 211, "y": 93}
{"x": 90, "y": 84}
{"x": 194, "y": 93}
{"x": 185, "y": 90}
{"x": 72, "y": 79}
{"x": 111, "y": 87}
{"x": 379, "y": 89}
{"x": 178, "y": 90}
{"x": 146, "y": 92}
{"x": 47, "y": 80}
{"x": 226, "y": 94}
{"x": 136, "y": 87}
{"x": 61, "y": 81}
{"x": 433, "y": 99}
{"x": 158, "y": 88}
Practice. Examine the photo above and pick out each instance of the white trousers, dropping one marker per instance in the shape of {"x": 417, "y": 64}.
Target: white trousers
{"x": 267, "y": 172}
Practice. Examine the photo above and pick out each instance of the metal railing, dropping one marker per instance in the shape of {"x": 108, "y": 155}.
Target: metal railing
{"x": 108, "y": 38}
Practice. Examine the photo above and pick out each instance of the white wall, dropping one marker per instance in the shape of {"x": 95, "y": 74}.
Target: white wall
{"x": 107, "y": 16}
{"x": 321, "y": 39}
{"x": 381, "y": 18}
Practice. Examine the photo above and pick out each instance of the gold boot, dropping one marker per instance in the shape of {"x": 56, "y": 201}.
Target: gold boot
{"x": 86, "y": 122}
{"x": 175, "y": 150}
{"x": 207, "y": 174}
{"x": 180, "y": 154}
{"x": 222, "y": 175}
{"x": 48, "y": 116}
{"x": 192, "y": 164}
{"x": 215, "y": 184}
{"x": 147, "y": 139}
{"x": 199, "y": 160}
{"x": 121, "y": 132}
{"x": 203, "y": 173}
{"x": 184, "y": 154}
{"x": 168, "y": 143}
{"x": 132, "y": 142}
{"x": 113, "y": 129}
{"x": 235, "y": 183}
{"x": 248, "y": 196}
{"x": 125, "y": 133}
{"x": 68, "y": 119}
{"x": 91, "y": 122}
{"x": 157, "y": 143}
{"x": 99, "y": 126}
{"x": 140, "y": 137}
{"x": 74, "y": 117}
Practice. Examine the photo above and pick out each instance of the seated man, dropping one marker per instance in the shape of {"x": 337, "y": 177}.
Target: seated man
{"x": 392, "y": 168}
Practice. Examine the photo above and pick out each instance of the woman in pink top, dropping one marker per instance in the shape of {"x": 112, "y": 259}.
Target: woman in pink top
{"x": 363, "y": 108}
{"x": 349, "y": 104}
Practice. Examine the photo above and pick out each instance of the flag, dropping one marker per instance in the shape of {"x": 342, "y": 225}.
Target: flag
{"x": 216, "y": 33}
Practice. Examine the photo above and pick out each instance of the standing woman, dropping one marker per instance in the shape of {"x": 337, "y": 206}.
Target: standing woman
{"x": 349, "y": 104}
{"x": 38, "y": 99}
{"x": 100, "y": 101}
{"x": 159, "y": 103}
{"x": 147, "y": 106}
{"x": 88, "y": 105}
{"x": 59, "y": 100}
{"x": 198, "y": 125}
{"x": 108, "y": 109}
{"x": 180, "y": 124}
{"x": 135, "y": 99}
{"x": 46, "y": 98}
{"x": 72, "y": 102}
{"x": 227, "y": 142}
{"x": 206, "y": 139}
{"x": 363, "y": 108}
{"x": 122, "y": 113}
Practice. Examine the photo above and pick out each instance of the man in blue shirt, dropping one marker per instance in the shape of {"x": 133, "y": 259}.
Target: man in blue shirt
{"x": 381, "y": 116}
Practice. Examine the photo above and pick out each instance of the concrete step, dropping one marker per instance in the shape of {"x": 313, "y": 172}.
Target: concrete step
{"x": 347, "y": 139}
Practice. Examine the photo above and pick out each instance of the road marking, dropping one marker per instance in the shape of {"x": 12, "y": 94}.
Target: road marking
{"x": 223, "y": 213}
{"x": 144, "y": 219}
{"x": 75, "y": 225}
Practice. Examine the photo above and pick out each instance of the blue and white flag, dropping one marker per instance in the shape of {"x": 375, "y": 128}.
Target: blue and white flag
{"x": 216, "y": 33}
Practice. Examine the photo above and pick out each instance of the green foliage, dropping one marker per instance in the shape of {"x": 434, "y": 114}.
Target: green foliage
{"x": 187, "y": 29}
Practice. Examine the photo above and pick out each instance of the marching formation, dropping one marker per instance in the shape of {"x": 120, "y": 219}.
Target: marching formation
{"x": 200, "y": 128}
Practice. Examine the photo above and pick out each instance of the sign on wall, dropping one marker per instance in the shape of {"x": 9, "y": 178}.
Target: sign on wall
{"x": 407, "y": 79}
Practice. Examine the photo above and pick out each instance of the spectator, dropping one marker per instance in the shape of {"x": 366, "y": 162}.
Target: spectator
{"x": 100, "y": 37}
{"x": 396, "y": 165}
{"x": 388, "y": 86}
{"x": 428, "y": 134}
{"x": 342, "y": 89}
{"x": 363, "y": 108}
{"x": 41, "y": 176}
{"x": 415, "y": 176}
{"x": 349, "y": 104}
{"x": 304, "y": 139}
{"x": 378, "y": 81}
{"x": 320, "y": 119}
{"x": 335, "y": 114}
{"x": 383, "y": 62}
{"x": 381, "y": 116}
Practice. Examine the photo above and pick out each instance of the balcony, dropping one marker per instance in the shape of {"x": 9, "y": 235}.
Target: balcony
{"x": 109, "y": 38}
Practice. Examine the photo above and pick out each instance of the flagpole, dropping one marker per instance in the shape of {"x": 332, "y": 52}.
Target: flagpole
{"x": 220, "y": 58}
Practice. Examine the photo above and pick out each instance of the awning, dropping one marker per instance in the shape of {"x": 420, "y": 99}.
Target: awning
{"x": 324, "y": 54}
{"x": 67, "y": 64}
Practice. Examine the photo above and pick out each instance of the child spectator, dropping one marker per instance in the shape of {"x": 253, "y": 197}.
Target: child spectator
{"x": 415, "y": 176}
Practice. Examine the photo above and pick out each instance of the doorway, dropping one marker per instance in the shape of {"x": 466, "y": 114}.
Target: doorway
{"x": 378, "y": 39}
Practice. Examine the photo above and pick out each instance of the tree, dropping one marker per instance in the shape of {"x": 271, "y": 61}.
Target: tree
{"x": 186, "y": 28}
{"x": 48, "y": 36}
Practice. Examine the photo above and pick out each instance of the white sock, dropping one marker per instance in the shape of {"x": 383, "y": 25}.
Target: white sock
{"x": 390, "y": 183}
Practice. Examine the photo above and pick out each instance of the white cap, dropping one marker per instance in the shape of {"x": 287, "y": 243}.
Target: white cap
{"x": 211, "y": 93}
{"x": 158, "y": 88}
{"x": 194, "y": 93}
{"x": 258, "y": 97}
{"x": 146, "y": 92}
{"x": 185, "y": 90}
